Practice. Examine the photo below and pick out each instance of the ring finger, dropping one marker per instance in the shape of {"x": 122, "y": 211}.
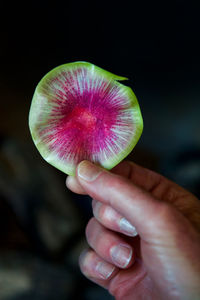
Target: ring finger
{"x": 109, "y": 245}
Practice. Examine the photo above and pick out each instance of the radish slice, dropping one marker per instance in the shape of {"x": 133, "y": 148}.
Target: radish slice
{"x": 80, "y": 111}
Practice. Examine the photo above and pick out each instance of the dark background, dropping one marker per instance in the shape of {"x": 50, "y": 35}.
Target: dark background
{"x": 156, "y": 45}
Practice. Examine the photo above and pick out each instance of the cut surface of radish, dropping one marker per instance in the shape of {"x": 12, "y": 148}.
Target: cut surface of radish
{"x": 80, "y": 111}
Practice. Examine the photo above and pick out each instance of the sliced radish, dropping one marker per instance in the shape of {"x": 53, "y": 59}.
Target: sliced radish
{"x": 80, "y": 111}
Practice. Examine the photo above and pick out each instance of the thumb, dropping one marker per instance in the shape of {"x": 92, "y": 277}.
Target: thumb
{"x": 153, "y": 219}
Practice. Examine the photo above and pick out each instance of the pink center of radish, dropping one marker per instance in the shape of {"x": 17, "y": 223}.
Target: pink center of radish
{"x": 90, "y": 118}
{"x": 82, "y": 119}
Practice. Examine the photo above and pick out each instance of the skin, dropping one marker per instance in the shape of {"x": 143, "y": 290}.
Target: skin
{"x": 164, "y": 260}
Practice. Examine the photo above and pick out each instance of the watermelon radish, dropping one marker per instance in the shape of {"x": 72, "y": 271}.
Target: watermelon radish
{"x": 80, "y": 111}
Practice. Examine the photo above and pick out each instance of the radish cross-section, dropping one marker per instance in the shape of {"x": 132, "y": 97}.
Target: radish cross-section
{"x": 80, "y": 111}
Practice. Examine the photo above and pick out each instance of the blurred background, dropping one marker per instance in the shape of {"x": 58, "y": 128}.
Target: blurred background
{"x": 155, "y": 45}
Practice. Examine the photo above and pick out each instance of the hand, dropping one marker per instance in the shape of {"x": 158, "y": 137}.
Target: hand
{"x": 163, "y": 260}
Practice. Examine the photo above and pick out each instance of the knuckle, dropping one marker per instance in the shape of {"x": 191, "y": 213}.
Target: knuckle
{"x": 109, "y": 216}
{"x": 171, "y": 194}
{"x": 103, "y": 213}
{"x": 94, "y": 202}
{"x": 96, "y": 209}
{"x": 68, "y": 182}
{"x": 90, "y": 229}
{"x": 85, "y": 260}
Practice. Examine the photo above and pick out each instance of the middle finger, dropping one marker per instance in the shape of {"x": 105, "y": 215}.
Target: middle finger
{"x": 111, "y": 219}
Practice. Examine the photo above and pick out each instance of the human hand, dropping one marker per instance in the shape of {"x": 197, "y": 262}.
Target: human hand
{"x": 163, "y": 260}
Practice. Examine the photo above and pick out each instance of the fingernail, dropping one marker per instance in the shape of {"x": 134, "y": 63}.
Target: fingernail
{"x": 104, "y": 269}
{"x": 127, "y": 227}
{"x": 121, "y": 255}
{"x": 88, "y": 171}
